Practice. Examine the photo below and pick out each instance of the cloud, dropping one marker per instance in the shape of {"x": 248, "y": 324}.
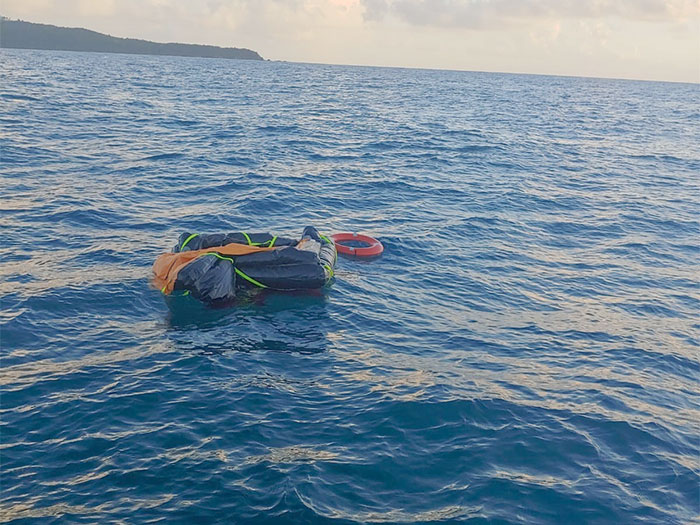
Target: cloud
{"x": 493, "y": 14}
{"x": 375, "y": 10}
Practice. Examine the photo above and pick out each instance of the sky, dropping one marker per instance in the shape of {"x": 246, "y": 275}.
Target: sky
{"x": 638, "y": 39}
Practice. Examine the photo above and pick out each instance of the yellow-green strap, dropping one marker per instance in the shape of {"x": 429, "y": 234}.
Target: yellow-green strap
{"x": 246, "y": 277}
{"x": 218, "y": 257}
{"x": 335, "y": 255}
{"x": 250, "y": 279}
{"x": 330, "y": 271}
{"x": 188, "y": 240}
{"x": 270, "y": 243}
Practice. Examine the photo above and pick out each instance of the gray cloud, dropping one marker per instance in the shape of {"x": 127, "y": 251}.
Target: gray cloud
{"x": 487, "y": 14}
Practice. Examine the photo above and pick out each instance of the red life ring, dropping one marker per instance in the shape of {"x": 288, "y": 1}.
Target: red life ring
{"x": 373, "y": 248}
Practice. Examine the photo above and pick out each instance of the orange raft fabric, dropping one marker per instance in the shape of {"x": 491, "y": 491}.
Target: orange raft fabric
{"x": 168, "y": 265}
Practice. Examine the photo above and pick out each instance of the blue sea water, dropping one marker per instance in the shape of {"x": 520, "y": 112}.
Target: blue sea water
{"x": 524, "y": 351}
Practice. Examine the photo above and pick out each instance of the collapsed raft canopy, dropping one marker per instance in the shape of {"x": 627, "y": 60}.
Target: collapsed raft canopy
{"x": 213, "y": 267}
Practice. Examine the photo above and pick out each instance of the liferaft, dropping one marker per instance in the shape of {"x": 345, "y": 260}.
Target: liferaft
{"x": 214, "y": 267}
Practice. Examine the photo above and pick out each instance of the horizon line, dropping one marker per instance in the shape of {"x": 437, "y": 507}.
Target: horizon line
{"x": 419, "y": 68}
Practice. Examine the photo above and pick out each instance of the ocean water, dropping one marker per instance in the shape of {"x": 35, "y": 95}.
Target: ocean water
{"x": 524, "y": 351}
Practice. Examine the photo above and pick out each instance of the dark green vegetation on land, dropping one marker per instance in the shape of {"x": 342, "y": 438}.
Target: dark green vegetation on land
{"x": 27, "y": 35}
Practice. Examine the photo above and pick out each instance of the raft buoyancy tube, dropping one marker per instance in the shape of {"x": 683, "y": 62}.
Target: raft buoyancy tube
{"x": 198, "y": 241}
{"x": 210, "y": 278}
{"x": 309, "y": 264}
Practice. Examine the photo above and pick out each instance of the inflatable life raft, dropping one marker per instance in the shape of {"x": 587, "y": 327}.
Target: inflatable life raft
{"x": 213, "y": 267}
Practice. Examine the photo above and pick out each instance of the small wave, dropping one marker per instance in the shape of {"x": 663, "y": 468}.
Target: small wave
{"x": 140, "y": 104}
{"x": 11, "y": 96}
{"x": 181, "y": 122}
{"x": 164, "y": 156}
{"x": 294, "y": 454}
{"x": 278, "y": 128}
{"x": 471, "y": 148}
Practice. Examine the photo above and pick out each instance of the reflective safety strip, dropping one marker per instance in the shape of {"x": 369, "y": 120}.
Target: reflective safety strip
{"x": 188, "y": 240}
{"x": 250, "y": 279}
{"x": 330, "y": 271}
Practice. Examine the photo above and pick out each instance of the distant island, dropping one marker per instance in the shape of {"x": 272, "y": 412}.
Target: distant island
{"x": 18, "y": 34}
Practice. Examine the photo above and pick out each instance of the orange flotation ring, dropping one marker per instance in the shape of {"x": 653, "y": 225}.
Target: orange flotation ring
{"x": 373, "y": 248}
